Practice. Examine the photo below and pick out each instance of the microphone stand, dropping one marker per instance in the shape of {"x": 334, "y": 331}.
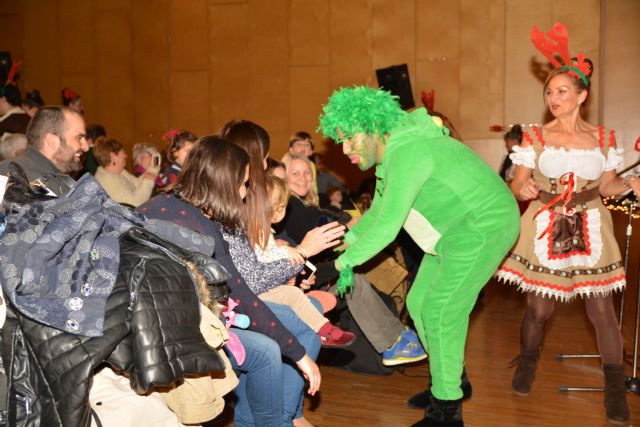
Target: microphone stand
{"x": 632, "y": 383}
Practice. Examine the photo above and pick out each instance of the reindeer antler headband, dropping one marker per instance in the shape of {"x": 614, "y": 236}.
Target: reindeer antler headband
{"x": 11, "y": 77}
{"x": 556, "y": 42}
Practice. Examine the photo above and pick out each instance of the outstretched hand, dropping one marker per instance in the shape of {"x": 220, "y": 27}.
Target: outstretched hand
{"x": 321, "y": 238}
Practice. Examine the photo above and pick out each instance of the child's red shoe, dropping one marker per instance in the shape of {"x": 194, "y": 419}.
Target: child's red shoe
{"x": 333, "y": 337}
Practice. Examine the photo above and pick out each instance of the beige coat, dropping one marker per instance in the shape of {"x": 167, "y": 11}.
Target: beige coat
{"x": 194, "y": 401}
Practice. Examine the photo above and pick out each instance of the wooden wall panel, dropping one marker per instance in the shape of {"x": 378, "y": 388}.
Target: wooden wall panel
{"x": 351, "y": 50}
{"x": 41, "y": 56}
{"x": 308, "y": 32}
{"x": 115, "y": 74}
{"x": 188, "y": 28}
{"x": 393, "y": 34}
{"x": 309, "y": 89}
{"x": 77, "y": 40}
{"x": 189, "y": 101}
{"x": 268, "y": 58}
{"x": 12, "y": 35}
{"x": 437, "y": 29}
{"x": 112, "y": 4}
{"x": 144, "y": 66}
{"x": 437, "y": 54}
{"x": 150, "y": 41}
{"x": 496, "y": 56}
{"x": 582, "y": 19}
{"x": 523, "y": 87}
{"x": 475, "y": 69}
{"x": 229, "y": 67}
{"x": 14, "y": 7}
{"x": 443, "y": 77}
{"x": 620, "y": 64}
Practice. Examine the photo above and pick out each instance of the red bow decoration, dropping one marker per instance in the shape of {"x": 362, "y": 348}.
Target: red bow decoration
{"x": 170, "y": 134}
{"x": 69, "y": 94}
{"x": 556, "y": 42}
{"x": 429, "y": 100}
{"x": 568, "y": 180}
{"x": 636, "y": 147}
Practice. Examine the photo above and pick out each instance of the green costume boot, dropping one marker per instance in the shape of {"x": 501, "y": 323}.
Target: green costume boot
{"x": 423, "y": 399}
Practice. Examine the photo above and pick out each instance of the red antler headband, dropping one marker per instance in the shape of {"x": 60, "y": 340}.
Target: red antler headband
{"x": 13, "y": 71}
{"x": 556, "y": 41}
{"x": 69, "y": 94}
{"x": 429, "y": 99}
{"x": 170, "y": 134}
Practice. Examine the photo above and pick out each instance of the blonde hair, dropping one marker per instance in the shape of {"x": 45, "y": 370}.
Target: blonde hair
{"x": 311, "y": 199}
{"x": 277, "y": 184}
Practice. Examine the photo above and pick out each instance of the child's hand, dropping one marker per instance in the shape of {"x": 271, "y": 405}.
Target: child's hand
{"x": 294, "y": 256}
{"x": 306, "y": 284}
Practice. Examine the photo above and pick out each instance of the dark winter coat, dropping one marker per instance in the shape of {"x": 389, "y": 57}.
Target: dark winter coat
{"x": 151, "y": 332}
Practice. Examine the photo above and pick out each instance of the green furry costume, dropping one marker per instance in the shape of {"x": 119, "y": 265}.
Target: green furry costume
{"x": 455, "y": 207}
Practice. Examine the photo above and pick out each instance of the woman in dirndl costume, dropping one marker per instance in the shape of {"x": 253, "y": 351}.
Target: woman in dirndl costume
{"x": 567, "y": 246}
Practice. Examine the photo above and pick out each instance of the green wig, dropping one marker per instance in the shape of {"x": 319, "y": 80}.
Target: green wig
{"x": 359, "y": 109}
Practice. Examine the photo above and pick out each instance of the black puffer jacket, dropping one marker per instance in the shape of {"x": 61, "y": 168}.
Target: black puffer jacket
{"x": 151, "y": 332}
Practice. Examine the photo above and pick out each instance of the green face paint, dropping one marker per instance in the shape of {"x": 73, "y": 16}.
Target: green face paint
{"x": 362, "y": 150}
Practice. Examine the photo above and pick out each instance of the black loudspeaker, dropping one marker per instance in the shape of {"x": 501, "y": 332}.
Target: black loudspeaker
{"x": 5, "y": 66}
{"x": 395, "y": 79}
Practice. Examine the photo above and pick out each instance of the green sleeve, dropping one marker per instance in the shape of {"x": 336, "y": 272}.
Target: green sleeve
{"x": 406, "y": 170}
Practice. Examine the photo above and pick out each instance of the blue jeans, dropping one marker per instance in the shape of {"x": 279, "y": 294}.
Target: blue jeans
{"x": 292, "y": 379}
{"x": 258, "y": 403}
{"x": 259, "y": 391}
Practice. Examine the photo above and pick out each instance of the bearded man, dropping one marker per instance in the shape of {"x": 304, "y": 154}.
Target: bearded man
{"x": 56, "y": 141}
{"x": 453, "y": 205}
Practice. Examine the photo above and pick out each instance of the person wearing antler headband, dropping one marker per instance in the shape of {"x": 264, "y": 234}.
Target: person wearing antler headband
{"x": 567, "y": 247}
{"x": 453, "y": 205}
{"x": 72, "y": 100}
{"x": 180, "y": 143}
{"x": 12, "y": 118}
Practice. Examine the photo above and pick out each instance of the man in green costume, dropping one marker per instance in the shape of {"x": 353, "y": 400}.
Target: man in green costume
{"x": 455, "y": 207}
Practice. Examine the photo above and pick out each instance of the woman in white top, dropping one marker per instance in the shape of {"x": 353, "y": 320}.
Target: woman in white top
{"x": 119, "y": 184}
{"x": 567, "y": 247}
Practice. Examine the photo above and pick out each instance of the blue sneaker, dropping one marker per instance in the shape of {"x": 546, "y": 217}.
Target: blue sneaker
{"x": 406, "y": 349}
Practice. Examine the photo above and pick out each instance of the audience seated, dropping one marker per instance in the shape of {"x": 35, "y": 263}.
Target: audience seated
{"x": 144, "y": 156}
{"x": 72, "y": 100}
{"x": 208, "y": 198}
{"x": 94, "y": 131}
{"x": 32, "y": 102}
{"x": 180, "y": 143}
{"x": 12, "y": 144}
{"x": 207, "y": 181}
{"x": 122, "y": 186}
{"x": 13, "y": 119}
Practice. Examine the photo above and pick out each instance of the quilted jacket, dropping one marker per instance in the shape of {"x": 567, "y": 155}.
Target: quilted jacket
{"x": 151, "y": 332}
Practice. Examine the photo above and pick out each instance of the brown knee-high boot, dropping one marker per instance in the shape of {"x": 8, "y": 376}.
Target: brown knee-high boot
{"x": 615, "y": 394}
{"x": 526, "y": 363}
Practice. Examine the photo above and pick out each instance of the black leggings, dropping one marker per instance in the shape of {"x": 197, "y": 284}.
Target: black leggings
{"x": 601, "y": 314}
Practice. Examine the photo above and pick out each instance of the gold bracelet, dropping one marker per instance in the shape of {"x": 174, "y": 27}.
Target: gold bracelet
{"x": 627, "y": 181}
